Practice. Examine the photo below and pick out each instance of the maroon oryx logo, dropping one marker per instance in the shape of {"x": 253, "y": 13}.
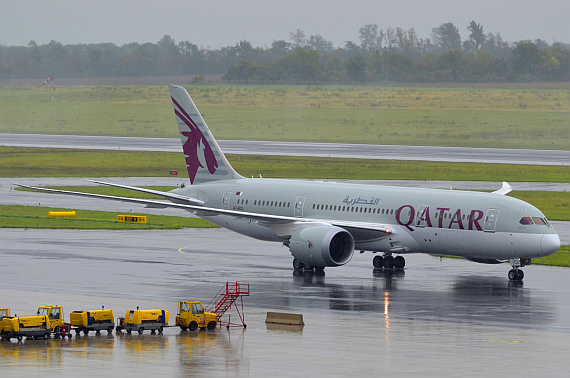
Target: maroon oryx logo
{"x": 195, "y": 144}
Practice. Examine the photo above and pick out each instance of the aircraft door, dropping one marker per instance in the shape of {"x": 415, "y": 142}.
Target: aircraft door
{"x": 491, "y": 220}
{"x": 299, "y": 204}
{"x": 421, "y": 214}
{"x": 226, "y": 200}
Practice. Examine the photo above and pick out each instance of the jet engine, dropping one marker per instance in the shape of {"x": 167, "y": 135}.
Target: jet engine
{"x": 322, "y": 245}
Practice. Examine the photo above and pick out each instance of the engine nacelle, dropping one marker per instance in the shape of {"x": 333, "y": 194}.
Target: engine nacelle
{"x": 322, "y": 245}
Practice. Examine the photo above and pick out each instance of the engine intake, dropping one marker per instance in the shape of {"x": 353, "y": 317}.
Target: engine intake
{"x": 322, "y": 245}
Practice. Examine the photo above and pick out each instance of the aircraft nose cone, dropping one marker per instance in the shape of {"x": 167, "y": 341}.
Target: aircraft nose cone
{"x": 550, "y": 243}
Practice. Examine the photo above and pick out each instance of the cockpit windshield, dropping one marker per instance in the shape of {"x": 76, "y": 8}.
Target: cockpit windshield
{"x": 43, "y": 311}
{"x": 534, "y": 220}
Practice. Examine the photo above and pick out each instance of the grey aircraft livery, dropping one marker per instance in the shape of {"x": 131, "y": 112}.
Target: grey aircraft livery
{"x": 323, "y": 223}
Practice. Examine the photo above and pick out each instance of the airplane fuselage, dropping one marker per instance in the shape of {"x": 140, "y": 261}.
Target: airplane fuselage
{"x": 459, "y": 223}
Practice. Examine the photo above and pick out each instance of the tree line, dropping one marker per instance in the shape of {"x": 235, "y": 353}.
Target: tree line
{"x": 393, "y": 55}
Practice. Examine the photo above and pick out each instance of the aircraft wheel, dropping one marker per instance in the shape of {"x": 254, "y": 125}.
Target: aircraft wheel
{"x": 212, "y": 325}
{"x": 193, "y": 326}
{"x": 298, "y": 264}
{"x": 520, "y": 275}
{"x": 308, "y": 267}
{"x": 388, "y": 262}
{"x": 512, "y": 275}
{"x": 399, "y": 262}
{"x": 378, "y": 262}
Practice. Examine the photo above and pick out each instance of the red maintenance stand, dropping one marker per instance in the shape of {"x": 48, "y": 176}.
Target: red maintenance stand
{"x": 226, "y": 299}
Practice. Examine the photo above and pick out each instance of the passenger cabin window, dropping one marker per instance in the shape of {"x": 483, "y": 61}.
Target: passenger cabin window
{"x": 526, "y": 220}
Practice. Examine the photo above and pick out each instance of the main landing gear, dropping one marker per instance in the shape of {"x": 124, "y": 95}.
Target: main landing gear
{"x": 298, "y": 265}
{"x": 389, "y": 262}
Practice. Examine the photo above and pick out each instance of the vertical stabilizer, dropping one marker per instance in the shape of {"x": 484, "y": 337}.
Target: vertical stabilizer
{"x": 205, "y": 160}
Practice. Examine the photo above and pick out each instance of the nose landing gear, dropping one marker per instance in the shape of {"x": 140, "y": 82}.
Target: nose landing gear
{"x": 516, "y": 274}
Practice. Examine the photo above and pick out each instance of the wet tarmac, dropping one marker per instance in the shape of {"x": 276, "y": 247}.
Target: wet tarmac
{"x": 438, "y": 317}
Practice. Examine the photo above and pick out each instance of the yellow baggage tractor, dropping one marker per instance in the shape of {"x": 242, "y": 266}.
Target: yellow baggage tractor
{"x": 98, "y": 320}
{"x": 144, "y": 320}
{"x": 48, "y": 320}
{"x": 191, "y": 315}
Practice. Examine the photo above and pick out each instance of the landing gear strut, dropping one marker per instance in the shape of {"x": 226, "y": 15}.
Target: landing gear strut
{"x": 516, "y": 274}
{"x": 388, "y": 262}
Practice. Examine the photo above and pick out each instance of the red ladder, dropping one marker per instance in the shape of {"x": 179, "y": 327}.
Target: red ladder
{"x": 225, "y": 300}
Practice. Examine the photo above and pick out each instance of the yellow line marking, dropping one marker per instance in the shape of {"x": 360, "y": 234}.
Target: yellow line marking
{"x": 199, "y": 245}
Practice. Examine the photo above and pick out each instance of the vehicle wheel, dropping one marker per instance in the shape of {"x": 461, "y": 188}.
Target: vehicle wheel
{"x": 86, "y": 332}
{"x": 399, "y": 262}
{"x": 193, "y": 326}
{"x": 110, "y": 330}
{"x": 212, "y": 325}
{"x": 160, "y": 329}
{"x": 141, "y": 330}
{"x": 20, "y": 338}
{"x": 69, "y": 335}
{"x": 388, "y": 262}
{"x": 77, "y": 331}
{"x": 378, "y": 262}
{"x": 129, "y": 331}
{"x": 298, "y": 264}
{"x": 520, "y": 275}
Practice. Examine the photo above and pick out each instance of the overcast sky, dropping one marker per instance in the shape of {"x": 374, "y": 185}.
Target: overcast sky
{"x": 218, "y": 23}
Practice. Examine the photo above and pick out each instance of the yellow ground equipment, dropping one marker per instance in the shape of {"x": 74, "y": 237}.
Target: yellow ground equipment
{"x": 4, "y": 312}
{"x": 143, "y": 320}
{"x": 98, "y": 320}
{"x": 191, "y": 315}
{"x": 48, "y": 320}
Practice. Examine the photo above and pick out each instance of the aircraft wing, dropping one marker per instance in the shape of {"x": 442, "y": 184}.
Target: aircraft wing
{"x": 283, "y": 225}
{"x": 171, "y": 196}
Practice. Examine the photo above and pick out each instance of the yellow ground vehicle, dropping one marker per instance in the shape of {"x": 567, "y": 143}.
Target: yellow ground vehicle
{"x": 48, "y": 320}
{"x": 191, "y": 315}
{"x": 98, "y": 320}
{"x": 141, "y": 320}
{"x": 4, "y": 312}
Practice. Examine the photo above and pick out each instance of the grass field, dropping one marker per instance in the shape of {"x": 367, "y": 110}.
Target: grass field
{"x": 37, "y": 217}
{"x": 47, "y": 162}
{"x": 470, "y": 117}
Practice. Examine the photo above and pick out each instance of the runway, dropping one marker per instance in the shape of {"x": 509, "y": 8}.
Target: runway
{"x": 437, "y": 318}
{"x": 360, "y": 151}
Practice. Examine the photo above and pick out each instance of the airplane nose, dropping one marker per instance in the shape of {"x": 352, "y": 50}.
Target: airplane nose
{"x": 550, "y": 243}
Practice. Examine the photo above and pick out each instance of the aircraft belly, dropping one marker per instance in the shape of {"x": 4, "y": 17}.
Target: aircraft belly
{"x": 244, "y": 226}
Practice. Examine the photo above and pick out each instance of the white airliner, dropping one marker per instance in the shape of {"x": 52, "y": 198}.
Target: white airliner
{"x": 323, "y": 223}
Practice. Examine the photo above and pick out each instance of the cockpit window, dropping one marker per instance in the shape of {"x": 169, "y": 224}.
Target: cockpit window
{"x": 538, "y": 220}
{"x": 526, "y": 220}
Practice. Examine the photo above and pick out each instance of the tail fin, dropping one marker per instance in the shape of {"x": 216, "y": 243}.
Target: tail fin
{"x": 204, "y": 158}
